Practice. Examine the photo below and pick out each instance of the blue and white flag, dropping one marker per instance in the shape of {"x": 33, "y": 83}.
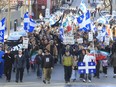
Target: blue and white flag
{"x": 84, "y": 22}
{"x": 26, "y": 21}
{"x": 93, "y": 27}
{"x": 32, "y": 25}
{"x": 61, "y": 31}
{"x": 1, "y": 36}
{"x": 82, "y": 7}
{"x": 2, "y": 29}
{"x": 83, "y": 68}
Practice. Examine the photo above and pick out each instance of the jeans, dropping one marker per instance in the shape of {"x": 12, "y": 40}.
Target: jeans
{"x": 39, "y": 71}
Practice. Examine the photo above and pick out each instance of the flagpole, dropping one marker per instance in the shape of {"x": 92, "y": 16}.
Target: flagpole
{"x": 8, "y": 20}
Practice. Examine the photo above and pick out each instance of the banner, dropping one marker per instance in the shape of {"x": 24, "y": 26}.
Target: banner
{"x": 90, "y": 36}
{"x": 25, "y": 42}
{"x": 68, "y": 40}
{"x": 80, "y": 40}
{"x": 107, "y": 40}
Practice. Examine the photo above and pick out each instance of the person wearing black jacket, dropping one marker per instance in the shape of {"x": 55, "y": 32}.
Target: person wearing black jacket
{"x": 47, "y": 65}
{"x": 20, "y": 64}
{"x": 8, "y": 62}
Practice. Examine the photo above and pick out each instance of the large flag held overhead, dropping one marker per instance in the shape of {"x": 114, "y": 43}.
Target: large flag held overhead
{"x": 2, "y": 29}
{"x": 82, "y": 7}
{"x": 26, "y": 21}
{"x": 61, "y": 31}
{"x": 84, "y": 22}
{"x": 29, "y": 23}
{"x": 32, "y": 25}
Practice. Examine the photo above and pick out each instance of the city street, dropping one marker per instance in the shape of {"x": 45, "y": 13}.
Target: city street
{"x": 30, "y": 80}
{"x": 41, "y": 39}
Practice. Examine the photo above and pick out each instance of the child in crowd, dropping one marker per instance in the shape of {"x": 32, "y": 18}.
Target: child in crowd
{"x": 74, "y": 69}
{"x": 105, "y": 65}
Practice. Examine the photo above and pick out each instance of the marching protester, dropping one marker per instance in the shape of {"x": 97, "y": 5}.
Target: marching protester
{"x": 53, "y": 50}
{"x": 113, "y": 62}
{"x": 1, "y": 62}
{"x": 88, "y": 58}
{"x": 38, "y": 60}
{"x": 8, "y": 62}
{"x": 105, "y": 66}
{"x": 20, "y": 64}
{"x": 47, "y": 65}
{"x": 67, "y": 61}
{"x": 81, "y": 55}
{"x": 74, "y": 69}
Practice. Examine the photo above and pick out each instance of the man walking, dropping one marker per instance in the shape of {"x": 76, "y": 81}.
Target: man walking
{"x": 47, "y": 64}
{"x": 8, "y": 61}
{"x": 20, "y": 64}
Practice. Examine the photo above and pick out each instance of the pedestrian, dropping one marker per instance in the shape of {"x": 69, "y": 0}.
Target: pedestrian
{"x": 53, "y": 50}
{"x": 81, "y": 55}
{"x": 27, "y": 58}
{"x": 88, "y": 58}
{"x": 38, "y": 60}
{"x": 113, "y": 62}
{"x": 74, "y": 69}
{"x": 47, "y": 65}
{"x": 8, "y": 62}
{"x": 105, "y": 66}
{"x": 20, "y": 64}
{"x": 1, "y": 62}
{"x": 67, "y": 62}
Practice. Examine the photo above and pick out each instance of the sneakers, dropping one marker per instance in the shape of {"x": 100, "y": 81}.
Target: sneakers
{"x": 44, "y": 81}
{"x": 84, "y": 80}
{"x": 89, "y": 81}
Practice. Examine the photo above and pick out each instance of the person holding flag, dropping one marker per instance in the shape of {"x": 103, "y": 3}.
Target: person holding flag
{"x": 88, "y": 58}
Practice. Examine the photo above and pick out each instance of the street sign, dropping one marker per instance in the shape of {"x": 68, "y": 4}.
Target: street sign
{"x": 87, "y": 68}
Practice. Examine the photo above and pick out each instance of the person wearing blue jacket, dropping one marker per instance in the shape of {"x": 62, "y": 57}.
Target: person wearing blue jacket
{"x": 1, "y": 62}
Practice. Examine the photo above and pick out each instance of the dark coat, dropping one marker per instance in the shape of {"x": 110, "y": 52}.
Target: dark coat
{"x": 8, "y": 60}
{"x": 20, "y": 62}
{"x": 47, "y": 61}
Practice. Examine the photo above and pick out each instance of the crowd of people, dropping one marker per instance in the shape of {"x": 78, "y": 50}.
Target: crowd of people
{"x": 50, "y": 50}
{"x": 46, "y": 49}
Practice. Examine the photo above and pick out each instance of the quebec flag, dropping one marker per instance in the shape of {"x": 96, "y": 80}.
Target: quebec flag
{"x": 29, "y": 23}
{"x": 88, "y": 68}
{"x": 61, "y": 31}
{"x": 32, "y": 25}
{"x": 2, "y": 29}
{"x": 26, "y": 21}
{"x": 84, "y": 22}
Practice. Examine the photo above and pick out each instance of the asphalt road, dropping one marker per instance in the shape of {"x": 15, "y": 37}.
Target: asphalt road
{"x": 30, "y": 80}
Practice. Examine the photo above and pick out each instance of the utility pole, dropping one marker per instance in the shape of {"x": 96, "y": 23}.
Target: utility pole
{"x": 111, "y": 7}
{"x": 8, "y": 18}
